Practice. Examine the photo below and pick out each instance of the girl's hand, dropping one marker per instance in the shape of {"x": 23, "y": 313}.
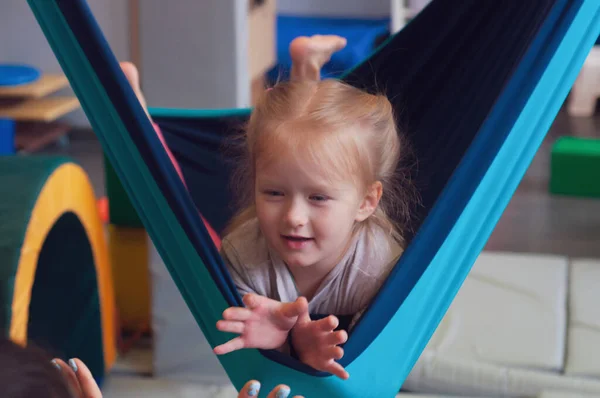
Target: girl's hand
{"x": 264, "y": 323}
{"x": 316, "y": 343}
{"x": 252, "y": 388}
{"x": 80, "y": 379}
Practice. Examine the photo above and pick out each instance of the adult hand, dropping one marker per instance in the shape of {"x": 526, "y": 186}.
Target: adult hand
{"x": 79, "y": 378}
{"x": 252, "y": 388}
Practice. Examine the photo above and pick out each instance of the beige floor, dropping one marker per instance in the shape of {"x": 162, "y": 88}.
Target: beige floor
{"x": 131, "y": 377}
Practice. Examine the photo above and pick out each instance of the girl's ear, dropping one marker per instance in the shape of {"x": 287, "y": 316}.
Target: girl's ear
{"x": 370, "y": 201}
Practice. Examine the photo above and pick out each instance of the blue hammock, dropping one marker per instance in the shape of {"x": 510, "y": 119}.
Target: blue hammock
{"x": 476, "y": 84}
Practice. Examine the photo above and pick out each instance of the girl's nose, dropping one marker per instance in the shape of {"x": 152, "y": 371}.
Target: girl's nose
{"x": 296, "y": 215}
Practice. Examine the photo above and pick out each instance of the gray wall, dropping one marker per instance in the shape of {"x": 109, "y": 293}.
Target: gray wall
{"x": 192, "y": 57}
{"x": 23, "y": 41}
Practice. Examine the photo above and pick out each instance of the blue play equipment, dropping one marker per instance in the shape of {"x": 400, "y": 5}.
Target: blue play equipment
{"x": 7, "y": 136}
{"x": 362, "y": 36}
{"x": 16, "y": 74}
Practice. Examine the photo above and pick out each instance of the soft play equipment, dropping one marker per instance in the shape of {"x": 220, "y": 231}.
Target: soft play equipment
{"x": 521, "y": 325}
{"x": 121, "y": 211}
{"x": 362, "y": 37}
{"x": 475, "y": 100}
{"x": 575, "y": 167}
{"x": 128, "y": 246}
{"x": 56, "y": 289}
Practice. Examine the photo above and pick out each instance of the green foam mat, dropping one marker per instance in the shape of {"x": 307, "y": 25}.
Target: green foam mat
{"x": 575, "y": 167}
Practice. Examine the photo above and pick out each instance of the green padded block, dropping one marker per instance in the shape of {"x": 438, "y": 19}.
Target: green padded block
{"x": 575, "y": 167}
{"x": 121, "y": 211}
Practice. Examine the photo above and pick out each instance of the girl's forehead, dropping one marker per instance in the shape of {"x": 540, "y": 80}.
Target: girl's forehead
{"x": 286, "y": 170}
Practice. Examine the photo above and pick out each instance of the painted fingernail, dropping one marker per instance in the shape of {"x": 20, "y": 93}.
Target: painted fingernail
{"x": 283, "y": 392}
{"x": 56, "y": 365}
{"x": 73, "y": 365}
{"x": 254, "y": 389}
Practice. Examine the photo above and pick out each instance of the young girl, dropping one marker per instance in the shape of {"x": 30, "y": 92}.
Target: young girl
{"x": 314, "y": 235}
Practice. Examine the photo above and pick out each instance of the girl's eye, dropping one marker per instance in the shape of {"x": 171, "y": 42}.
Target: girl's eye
{"x": 273, "y": 193}
{"x": 319, "y": 198}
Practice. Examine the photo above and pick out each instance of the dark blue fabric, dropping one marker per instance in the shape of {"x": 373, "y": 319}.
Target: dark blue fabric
{"x": 457, "y": 74}
{"x": 362, "y": 35}
{"x": 199, "y": 145}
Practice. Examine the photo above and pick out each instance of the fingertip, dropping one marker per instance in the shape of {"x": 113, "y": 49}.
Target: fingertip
{"x": 333, "y": 321}
{"x": 55, "y": 364}
{"x": 303, "y": 300}
{"x": 249, "y": 300}
{"x": 73, "y": 365}
{"x": 251, "y": 388}
{"x": 282, "y": 391}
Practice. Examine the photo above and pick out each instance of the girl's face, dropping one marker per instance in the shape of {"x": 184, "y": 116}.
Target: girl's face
{"x": 306, "y": 216}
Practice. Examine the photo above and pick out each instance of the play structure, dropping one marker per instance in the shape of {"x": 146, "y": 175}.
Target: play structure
{"x": 57, "y": 289}
{"x": 129, "y": 247}
{"x": 477, "y": 115}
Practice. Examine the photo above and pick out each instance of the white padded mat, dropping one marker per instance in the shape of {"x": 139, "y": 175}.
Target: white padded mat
{"x": 442, "y": 375}
{"x": 583, "y": 354}
{"x": 510, "y": 311}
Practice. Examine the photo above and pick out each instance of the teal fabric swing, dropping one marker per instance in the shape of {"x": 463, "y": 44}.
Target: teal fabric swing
{"x": 478, "y": 84}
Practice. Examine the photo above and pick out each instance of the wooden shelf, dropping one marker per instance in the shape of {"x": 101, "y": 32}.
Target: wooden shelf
{"x": 31, "y": 137}
{"x": 39, "y": 110}
{"x": 45, "y": 85}
{"x": 262, "y": 52}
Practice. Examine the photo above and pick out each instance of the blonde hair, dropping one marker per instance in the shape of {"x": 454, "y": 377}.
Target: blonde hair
{"x": 347, "y": 130}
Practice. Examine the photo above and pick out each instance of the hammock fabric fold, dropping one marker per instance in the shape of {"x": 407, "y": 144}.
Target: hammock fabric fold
{"x": 476, "y": 85}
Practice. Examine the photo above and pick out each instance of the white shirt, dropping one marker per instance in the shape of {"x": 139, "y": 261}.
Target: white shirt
{"x": 346, "y": 290}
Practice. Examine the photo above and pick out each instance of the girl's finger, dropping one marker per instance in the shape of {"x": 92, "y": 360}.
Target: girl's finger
{"x": 231, "y": 345}
{"x": 231, "y": 326}
{"x": 252, "y": 300}
{"x": 251, "y": 389}
{"x": 295, "y": 309}
{"x": 237, "y": 314}
{"x": 327, "y": 324}
{"x": 336, "y": 369}
{"x": 88, "y": 384}
{"x": 333, "y": 352}
{"x": 69, "y": 375}
{"x": 336, "y": 338}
